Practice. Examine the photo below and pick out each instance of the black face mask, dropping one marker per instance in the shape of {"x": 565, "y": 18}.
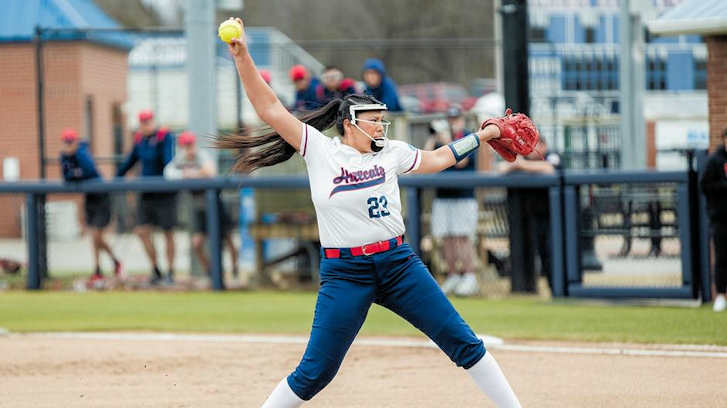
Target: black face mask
{"x": 375, "y": 147}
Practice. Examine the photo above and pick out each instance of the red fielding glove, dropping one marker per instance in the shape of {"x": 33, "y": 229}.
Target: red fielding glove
{"x": 518, "y": 135}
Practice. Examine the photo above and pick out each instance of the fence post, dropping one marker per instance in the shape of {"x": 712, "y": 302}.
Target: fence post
{"x": 684, "y": 223}
{"x": 571, "y": 232}
{"x": 703, "y": 275}
{"x": 42, "y": 236}
{"x": 40, "y": 81}
{"x": 413, "y": 228}
{"x": 214, "y": 235}
{"x": 558, "y": 278}
{"x": 31, "y": 237}
{"x": 522, "y": 255}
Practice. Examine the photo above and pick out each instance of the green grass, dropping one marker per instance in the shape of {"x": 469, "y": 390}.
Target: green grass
{"x": 292, "y": 312}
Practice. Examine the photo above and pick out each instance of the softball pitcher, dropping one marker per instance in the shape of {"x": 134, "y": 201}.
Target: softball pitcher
{"x": 354, "y": 188}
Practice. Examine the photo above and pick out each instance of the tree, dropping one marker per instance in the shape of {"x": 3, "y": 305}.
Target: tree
{"x": 418, "y": 41}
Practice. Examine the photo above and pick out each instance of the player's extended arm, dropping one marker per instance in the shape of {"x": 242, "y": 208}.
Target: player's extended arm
{"x": 534, "y": 166}
{"x": 437, "y": 160}
{"x": 208, "y": 167}
{"x": 172, "y": 171}
{"x": 128, "y": 163}
{"x": 266, "y": 104}
{"x": 87, "y": 165}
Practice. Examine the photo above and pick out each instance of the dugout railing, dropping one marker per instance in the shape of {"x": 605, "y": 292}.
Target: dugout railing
{"x": 566, "y": 194}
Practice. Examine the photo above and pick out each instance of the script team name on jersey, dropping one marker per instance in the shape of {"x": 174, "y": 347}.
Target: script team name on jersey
{"x": 359, "y": 179}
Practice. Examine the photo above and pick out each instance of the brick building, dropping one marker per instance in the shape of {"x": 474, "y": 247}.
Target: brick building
{"x": 707, "y": 18}
{"x": 84, "y": 88}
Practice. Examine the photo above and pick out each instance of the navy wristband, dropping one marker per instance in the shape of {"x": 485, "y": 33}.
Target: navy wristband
{"x": 463, "y": 147}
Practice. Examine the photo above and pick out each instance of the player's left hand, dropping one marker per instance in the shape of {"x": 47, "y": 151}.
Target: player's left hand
{"x": 518, "y": 135}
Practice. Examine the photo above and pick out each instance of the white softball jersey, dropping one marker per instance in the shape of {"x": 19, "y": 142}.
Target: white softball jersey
{"x": 356, "y": 195}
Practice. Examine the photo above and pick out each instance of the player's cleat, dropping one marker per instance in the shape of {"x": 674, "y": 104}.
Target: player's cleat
{"x": 720, "y": 303}
{"x": 450, "y": 283}
{"x": 155, "y": 279}
{"x": 168, "y": 279}
{"x": 96, "y": 281}
{"x": 467, "y": 285}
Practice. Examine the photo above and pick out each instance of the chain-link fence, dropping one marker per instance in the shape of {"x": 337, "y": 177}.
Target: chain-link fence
{"x": 630, "y": 235}
{"x": 575, "y": 103}
{"x": 13, "y": 248}
{"x": 466, "y": 241}
{"x": 77, "y": 224}
{"x": 489, "y": 241}
{"x": 269, "y": 236}
{"x": 276, "y": 236}
{"x": 496, "y": 235}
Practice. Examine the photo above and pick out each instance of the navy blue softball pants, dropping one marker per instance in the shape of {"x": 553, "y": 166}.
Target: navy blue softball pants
{"x": 397, "y": 280}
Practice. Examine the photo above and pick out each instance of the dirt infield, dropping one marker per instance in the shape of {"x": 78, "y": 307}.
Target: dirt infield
{"x": 50, "y": 372}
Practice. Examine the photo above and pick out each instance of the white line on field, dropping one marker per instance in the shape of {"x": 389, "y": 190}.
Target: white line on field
{"x": 612, "y": 351}
{"x": 495, "y": 343}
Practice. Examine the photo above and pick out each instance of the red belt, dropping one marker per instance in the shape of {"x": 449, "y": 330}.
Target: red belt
{"x": 368, "y": 249}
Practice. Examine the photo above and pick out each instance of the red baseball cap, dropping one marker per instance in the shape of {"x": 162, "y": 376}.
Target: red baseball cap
{"x": 69, "y": 135}
{"x": 298, "y": 72}
{"x": 187, "y": 138}
{"x": 266, "y": 76}
{"x": 145, "y": 115}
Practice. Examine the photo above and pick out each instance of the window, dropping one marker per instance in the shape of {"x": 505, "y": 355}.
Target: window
{"x": 118, "y": 128}
{"x": 590, "y": 73}
{"x": 590, "y": 35}
{"x": 656, "y": 73}
{"x": 700, "y": 74}
{"x": 88, "y": 121}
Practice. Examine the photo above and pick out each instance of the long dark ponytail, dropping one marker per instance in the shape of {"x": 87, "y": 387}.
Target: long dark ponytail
{"x": 275, "y": 149}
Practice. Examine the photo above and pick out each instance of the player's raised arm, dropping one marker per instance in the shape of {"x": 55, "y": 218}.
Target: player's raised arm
{"x": 266, "y": 104}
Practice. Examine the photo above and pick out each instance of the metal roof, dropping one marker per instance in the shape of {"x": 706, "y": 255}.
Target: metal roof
{"x": 20, "y": 18}
{"x": 704, "y": 17}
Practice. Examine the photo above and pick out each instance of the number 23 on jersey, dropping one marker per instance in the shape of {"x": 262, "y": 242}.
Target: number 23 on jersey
{"x": 377, "y": 207}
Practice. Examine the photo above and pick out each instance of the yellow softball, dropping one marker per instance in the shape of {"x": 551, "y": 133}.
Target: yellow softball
{"x": 228, "y": 30}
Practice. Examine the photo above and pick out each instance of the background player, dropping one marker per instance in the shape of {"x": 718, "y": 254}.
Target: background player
{"x": 355, "y": 192}
{"x": 454, "y": 211}
{"x": 305, "y": 89}
{"x": 189, "y": 163}
{"x": 154, "y": 148}
{"x": 380, "y": 85}
{"x": 334, "y": 85}
{"x": 714, "y": 185}
{"x": 77, "y": 165}
{"x": 537, "y": 202}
